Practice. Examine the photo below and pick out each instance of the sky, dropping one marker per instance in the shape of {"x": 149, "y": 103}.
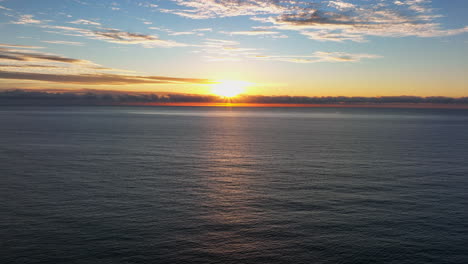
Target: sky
{"x": 269, "y": 47}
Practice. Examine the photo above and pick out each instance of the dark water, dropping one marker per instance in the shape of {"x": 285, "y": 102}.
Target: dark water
{"x": 211, "y": 185}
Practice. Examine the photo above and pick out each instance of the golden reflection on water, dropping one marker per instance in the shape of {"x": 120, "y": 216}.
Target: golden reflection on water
{"x": 232, "y": 194}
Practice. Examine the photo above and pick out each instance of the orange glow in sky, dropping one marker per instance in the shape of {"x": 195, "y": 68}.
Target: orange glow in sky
{"x": 271, "y": 48}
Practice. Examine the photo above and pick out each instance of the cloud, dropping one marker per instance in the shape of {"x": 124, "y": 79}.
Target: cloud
{"x": 217, "y": 43}
{"x": 100, "y": 33}
{"x": 203, "y": 29}
{"x": 20, "y": 55}
{"x": 5, "y": 8}
{"x": 150, "y": 5}
{"x": 354, "y": 100}
{"x": 228, "y": 50}
{"x": 72, "y": 43}
{"x": 342, "y": 56}
{"x": 419, "y": 6}
{"x": 70, "y": 31}
{"x": 202, "y": 9}
{"x": 182, "y": 33}
{"x": 339, "y": 27}
{"x": 27, "y": 66}
{"x": 122, "y": 37}
{"x": 24, "y": 57}
{"x": 341, "y": 5}
{"x": 333, "y": 35}
{"x": 336, "y": 20}
{"x": 318, "y": 56}
{"x": 19, "y": 46}
{"x": 55, "y": 68}
{"x": 99, "y": 97}
{"x": 26, "y": 19}
{"x": 114, "y": 6}
{"x": 117, "y": 36}
{"x": 98, "y": 79}
{"x": 252, "y": 33}
{"x": 354, "y": 23}
{"x": 85, "y": 22}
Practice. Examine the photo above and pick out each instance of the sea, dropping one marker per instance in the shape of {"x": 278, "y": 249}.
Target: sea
{"x": 145, "y": 184}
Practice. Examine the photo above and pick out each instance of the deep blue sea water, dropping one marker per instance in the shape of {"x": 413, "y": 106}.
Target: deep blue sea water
{"x": 219, "y": 185}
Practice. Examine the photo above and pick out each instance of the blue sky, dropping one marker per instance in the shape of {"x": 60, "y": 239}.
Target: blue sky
{"x": 367, "y": 48}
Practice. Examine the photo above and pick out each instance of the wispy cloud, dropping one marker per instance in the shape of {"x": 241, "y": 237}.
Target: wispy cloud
{"x": 122, "y": 37}
{"x": 98, "y": 79}
{"x": 318, "y": 56}
{"x": 94, "y": 30}
{"x": 252, "y": 32}
{"x": 202, "y": 9}
{"x": 114, "y": 6}
{"x": 148, "y": 4}
{"x": 19, "y": 46}
{"x": 203, "y": 29}
{"x": 28, "y": 64}
{"x": 116, "y": 36}
{"x": 85, "y": 22}
{"x": 7, "y": 54}
{"x": 5, "y": 8}
{"x": 182, "y": 33}
{"x": 227, "y": 50}
{"x": 62, "y": 42}
{"x": 26, "y": 19}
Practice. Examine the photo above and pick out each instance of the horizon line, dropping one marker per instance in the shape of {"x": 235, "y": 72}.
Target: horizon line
{"x": 105, "y": 97}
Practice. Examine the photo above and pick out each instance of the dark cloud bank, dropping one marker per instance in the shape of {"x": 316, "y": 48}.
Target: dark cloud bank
{"x": 96, "y": 97}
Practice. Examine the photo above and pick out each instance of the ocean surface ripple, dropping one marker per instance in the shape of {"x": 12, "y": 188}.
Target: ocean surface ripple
{"x": 241, "y": 185}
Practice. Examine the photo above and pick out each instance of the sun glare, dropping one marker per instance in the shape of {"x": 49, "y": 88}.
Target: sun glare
{"x": 229, "y": 88}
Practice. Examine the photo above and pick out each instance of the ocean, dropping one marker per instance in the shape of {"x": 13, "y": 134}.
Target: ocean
{"x": 233, "y": 185}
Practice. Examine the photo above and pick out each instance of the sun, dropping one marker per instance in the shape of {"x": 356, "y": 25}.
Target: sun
{"x": 229, "y": 88}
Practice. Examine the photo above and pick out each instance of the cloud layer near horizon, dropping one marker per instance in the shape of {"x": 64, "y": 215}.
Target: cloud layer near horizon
{"x": 99, "y": 97}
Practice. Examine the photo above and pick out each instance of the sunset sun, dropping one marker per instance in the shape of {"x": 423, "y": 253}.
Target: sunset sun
{"x": 229, "y": 88}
